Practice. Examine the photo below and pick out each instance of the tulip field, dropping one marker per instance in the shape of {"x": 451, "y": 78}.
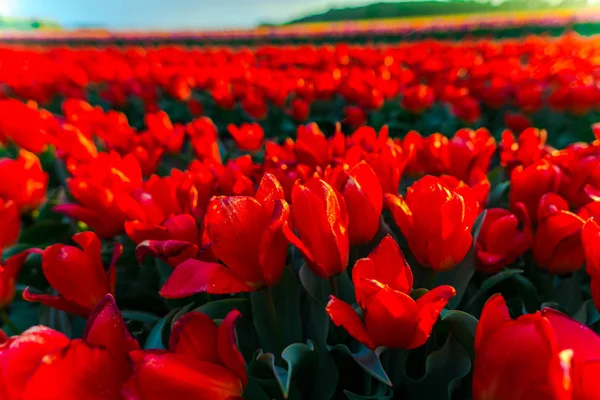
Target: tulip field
{"x": 414, "y": 221}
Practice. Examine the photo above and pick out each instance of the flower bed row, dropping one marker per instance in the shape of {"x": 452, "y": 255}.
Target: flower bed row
{"x": 174, "y": 262}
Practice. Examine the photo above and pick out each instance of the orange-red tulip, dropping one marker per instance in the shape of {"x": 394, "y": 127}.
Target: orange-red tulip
{"x": 203, "y": 363}
{"x": 23, "y": 181}
{"x": 77, "y": 274}
{"x": 382, "y": 283}
{"x": 246, "y": 234}
{"x": 546, "y": 355}
{"x": 500, "y": 241}
{"x": 436, "y": 221}
{"x": 321, "y": 220}
{"x": 248, "y": 137}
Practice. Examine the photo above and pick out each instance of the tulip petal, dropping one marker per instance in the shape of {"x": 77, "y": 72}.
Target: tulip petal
{"x": 21, "y": 356}
{"x": 235, "y": 225}
{"x": 171, "y": 251}
{"x": 56, "y": 302}
{"x": 173, "y": 376}
{"x": 342, "y": 314}
{"x": 430, "y": 306}
{"x": 590, "y": 236}
{"x": 274, "y": 244}
{"x": 106, "y": 328}
{"x": 77, "y": 275}
{"x": 3, "y": 337}
{"x": 268, "y": 192}
{"x": 194, "y": 276}
{"x": 571, "y": 334}
{"x": 494, "y": 314}
{"x": 401, "y": 212}
{"x": 227, "y": 345}
{"x": 195, "y": 335}
{"x": 80, "y": 371}
{"x": 390, "y": 267}
{"x": 139, "y": 231}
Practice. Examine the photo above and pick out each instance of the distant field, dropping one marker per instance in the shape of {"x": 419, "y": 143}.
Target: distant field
{"x": 500, "y": 24}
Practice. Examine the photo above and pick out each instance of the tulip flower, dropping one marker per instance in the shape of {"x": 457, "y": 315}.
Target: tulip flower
{"x": 436, "y": 221}
{"x": 299, "y": 109}
{"x": 321, "y": 220}
{"x": 247, "y": 235}
{"x": 22, "y": 124}
{"x": 418, "y": 98}
{"x": 364, "y": 200}
{"x": 529, "y": 184}
{"x": 203, "y": 363}
{"x": 248, "y": 137}
{"x": 555, "y": 357}
{"x": 312, "y": 148}
{"x": 470, "y": 151}
{"x": 500, "y": 241}
{"x": 557, "y": 243}
{"x": 23, "y": 181}
{"x": 42, "y": 363}
{"x": 388, "y": 162}
{"x": 8, "y": 276}
{"x": 383, "y": 283}
{"x": 516, "y": 122}
{"x": 429, "y": 155}
{"x": 11, "y": 223}
{"x": 590, "y": 238}
{"x": 529, "y": 148}
{"x": 77, "y": 274}
{"x": 355, "y": 116}
{"x": 203, "y": 135}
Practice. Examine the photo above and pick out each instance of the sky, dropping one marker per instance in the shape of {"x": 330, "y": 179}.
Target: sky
{"x": 168, "y": 14}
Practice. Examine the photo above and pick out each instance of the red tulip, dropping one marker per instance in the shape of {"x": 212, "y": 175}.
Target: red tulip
{"x": 590, "y": 238}
{"x": 312, "y": 148}
{"x": 203, "y": 135}
{"x": 321, "y": 220}
{"x": 203, "y": 363}
{"x": 516, "y": 122}
{"x": 469, "y": 152}
{"x": 8, "y": 276}
{"x": 500, "y": 241}
{"x": 529, "y": 184}
{"x": 95, "y": 367}
{"x": 299, "y": 109}
{"x": 364, "y": 200}
{"x": 418, "y": 98}
{"x": 528, "y": 149}
{"x": 436, "y": 221}
{"x": 77, "y": 274}
{"x": 388, "y": 162}
{"x": 383, "y": 283}
{"x": 20, "y": 356}
{"x": 11, "y": 221}
{"x": 247, "y": 236}
{"x": 23, "y": 181}
{"x": 557, "y": 243}
{"x": 545, "y": 355}
{"x": 248, "y": 137}
{"x": 22, "y": 124}
{"x": 43, "y": 364}
{"x": 355, "y": 116}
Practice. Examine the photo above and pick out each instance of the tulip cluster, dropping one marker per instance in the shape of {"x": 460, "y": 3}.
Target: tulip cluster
{"x": 340, "y": 260}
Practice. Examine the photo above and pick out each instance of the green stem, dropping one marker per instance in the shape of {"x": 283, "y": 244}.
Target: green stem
{"x": 8, "y": 323}
{"x": 274, "y": 320}
{"x": 334, "y": 285}
{"x": 550, "y": 287}
{"x": 429, "y": 280}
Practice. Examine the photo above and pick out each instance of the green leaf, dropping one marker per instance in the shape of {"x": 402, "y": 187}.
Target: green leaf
{"x": 463, "y": 328}
{"x": 491, "y": 282}
{"x": 458, "y": 277}
{"x": 477, "y": 225}
{"x": 368, "y": 360}
{"x": 276, "y": 314}
{"x": 317, "y": 287}
{"x": 220, "y": 308}
{"x": 141, "y": 316}
{"x": 587, "y": 314}
{"x": 159, "y": 335}
{"x": 56, "y": 319}
{"x": 24, "y": 315}
{"x": 254, "y": 391}
{"x": 568, "y": 294}
{"x": 383, "y": 395}
{"x": 298, "y": 356}
{"x": 443, "y": 370}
